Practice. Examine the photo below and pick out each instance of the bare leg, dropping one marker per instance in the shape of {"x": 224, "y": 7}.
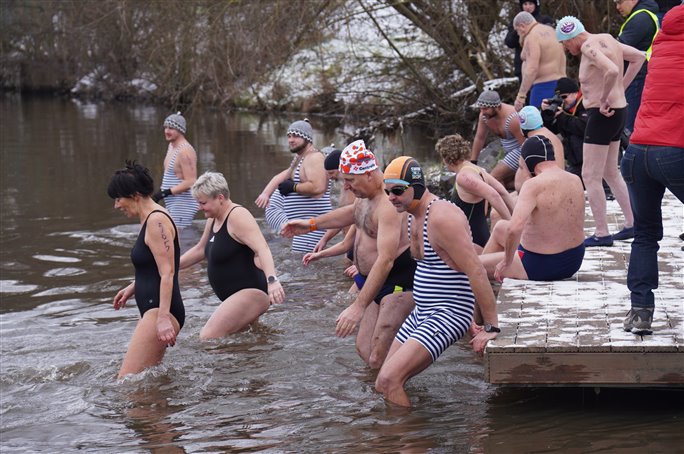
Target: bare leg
{"x": 504, "y": 174}
{"x": 235, "y": 313}
{"x": 617, "y": 183}
{"x": 497, "y": 239}
{"x": 145, "y": 350}
{"x": 365, "y": 334}
{"x": 403, "y": 362}
{"x": 394, "y": 308}
{"x": 593, "y": 169}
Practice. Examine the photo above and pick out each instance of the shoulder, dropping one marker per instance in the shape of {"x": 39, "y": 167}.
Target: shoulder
{"x": 443, "y": 214}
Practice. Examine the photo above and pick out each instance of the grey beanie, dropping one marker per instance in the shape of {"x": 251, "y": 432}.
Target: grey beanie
{"x": 489, "y": 98}
{"x": 301, "y": 128}
{"x": 176, "y": 121}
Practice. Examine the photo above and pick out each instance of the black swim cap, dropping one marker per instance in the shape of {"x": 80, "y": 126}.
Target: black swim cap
{"x": 332, "y": 161}
{"x": 537, "y": 149}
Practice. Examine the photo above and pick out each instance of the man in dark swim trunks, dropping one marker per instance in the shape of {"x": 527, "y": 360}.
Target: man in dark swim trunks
{"x": 381, "y": 255}
{"x": 529, "y": 246}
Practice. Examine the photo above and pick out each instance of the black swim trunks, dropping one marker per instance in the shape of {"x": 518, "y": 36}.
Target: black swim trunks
{"x": 602, "y": 130}
{"x": 399, "y": 279}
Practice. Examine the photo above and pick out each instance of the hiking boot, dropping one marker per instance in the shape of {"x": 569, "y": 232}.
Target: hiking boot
{"x": 639, "y": 320}
{"x": 624, "y": 234}
{"x": 598, "y": 241}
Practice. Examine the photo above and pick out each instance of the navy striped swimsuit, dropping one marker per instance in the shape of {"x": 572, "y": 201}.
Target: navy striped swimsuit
{"x": 183, "y": 206}
{"x": 444, "y": 301}
{"x": 281, "y": 209}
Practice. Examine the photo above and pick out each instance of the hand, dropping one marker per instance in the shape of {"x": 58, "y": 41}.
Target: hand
{"x": 605, "y": 109}
{"x": 123, "y": 295}
{"x": 500, "y": 271}
{"x": 276, "y": 294}
{"x": 310, "y": 257}
{"x": 262, "y": 200}
{"x": 519, "y": 104}
{"x": 348, "y": 320}
{"x": 287, "y": 187}
{"x": 295, "y": 227}
{"x": 475, "y": 329}
{"x": 479, "y": 341}
{"x": 165, "y": 332}
{"x": 161, "y": 194}
{"x": 351, "y": 271}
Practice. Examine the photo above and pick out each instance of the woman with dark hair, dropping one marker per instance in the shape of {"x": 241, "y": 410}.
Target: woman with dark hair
{"x": 155, "y": 256}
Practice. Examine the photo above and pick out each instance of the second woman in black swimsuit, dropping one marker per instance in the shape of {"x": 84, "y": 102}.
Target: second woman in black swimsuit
{"x": 473, "y": 187}
{"x": 240, "y": 264}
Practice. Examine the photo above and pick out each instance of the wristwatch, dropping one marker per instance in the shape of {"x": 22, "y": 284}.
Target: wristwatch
{"x": 272, "y": 279}
{"x": 491, "y": 329}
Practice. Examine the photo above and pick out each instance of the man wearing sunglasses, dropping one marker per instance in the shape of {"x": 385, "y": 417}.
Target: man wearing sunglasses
{"x": 381, "y": 255}
{"x": 449, "y": 279}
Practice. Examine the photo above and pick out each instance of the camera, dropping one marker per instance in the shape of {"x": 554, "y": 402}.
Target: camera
{"x": 554, "y": 103}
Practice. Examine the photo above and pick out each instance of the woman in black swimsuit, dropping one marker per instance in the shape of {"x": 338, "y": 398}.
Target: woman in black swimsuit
{"x": 240, "y": 264}
{"x": 155, "y": 256}
{"x": 473, "y": 187}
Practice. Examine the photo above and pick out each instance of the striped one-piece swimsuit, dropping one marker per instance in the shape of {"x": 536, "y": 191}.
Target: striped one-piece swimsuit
{"x": 182, "y": 207}
{"x": 444, "y": 301}
{"x": 281, "y": 209}
{"x": 510, "y": 145}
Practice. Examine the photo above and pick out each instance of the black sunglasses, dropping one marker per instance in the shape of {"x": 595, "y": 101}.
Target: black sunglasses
{"x": 397, "y": 190}
{"x": 563, "y": 96}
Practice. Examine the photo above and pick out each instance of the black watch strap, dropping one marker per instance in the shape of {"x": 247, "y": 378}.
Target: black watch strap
{"x": 491, "y": 329}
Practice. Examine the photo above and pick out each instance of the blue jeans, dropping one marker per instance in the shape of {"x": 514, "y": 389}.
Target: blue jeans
{"x": 633, "y": 96}
{"x": 648, "y": 170}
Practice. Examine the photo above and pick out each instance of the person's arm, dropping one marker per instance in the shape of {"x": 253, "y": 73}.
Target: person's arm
{"x": 265, "y": 196}
{"x": 607, "y": 68}
{"x": 188, "y": 169}
{"x": 530, "y": 69}
{"x": 574, "y": 125}
{"x": 471, "y": 182}
{"x": 123, "y": 295}
{"x": 246, "y": 231}
{"x": 523, "y": 209}
{"x": 338, "y": 249}
{"x": 636, "y": 59}
{"x": 327, "y": 236}
{"x": 196, "y": 253}
{"x": 388, "y": 235}
{"x": 334, "y": 219}
{"x": 159, "y": 238}
{"x": 457, "y": 252}
{"x": 479, "y": 139}
{"x": 316, "y": 179}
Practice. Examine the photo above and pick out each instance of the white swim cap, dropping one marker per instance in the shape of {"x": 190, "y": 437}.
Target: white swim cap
{"x": 568, "y": 27}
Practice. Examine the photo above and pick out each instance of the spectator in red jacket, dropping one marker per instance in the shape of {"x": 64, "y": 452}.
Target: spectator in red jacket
{"x": 653, "y": 162}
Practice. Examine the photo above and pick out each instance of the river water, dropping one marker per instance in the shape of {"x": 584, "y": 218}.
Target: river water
{"x": 286, "y": 385}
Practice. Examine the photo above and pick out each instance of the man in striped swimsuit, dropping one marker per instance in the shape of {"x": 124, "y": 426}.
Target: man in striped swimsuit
{"x": 300, "y": 191}
{"x": 180, "y": 173}
{"x": 448, "y": 280}
{"x": 502, "y": 120}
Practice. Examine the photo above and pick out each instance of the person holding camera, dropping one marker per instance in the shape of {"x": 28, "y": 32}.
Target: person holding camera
{"x": 565, "y": 114}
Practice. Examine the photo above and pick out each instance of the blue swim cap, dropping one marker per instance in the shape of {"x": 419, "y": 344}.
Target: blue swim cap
{"x": 530, "y": 118}
{"x": 568, "y": 27}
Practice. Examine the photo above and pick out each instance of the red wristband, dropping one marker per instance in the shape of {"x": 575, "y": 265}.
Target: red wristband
{"x": 312, "y": 225}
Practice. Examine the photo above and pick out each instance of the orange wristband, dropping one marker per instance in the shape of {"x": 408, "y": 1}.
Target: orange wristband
{"x": 312, "y": 225}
